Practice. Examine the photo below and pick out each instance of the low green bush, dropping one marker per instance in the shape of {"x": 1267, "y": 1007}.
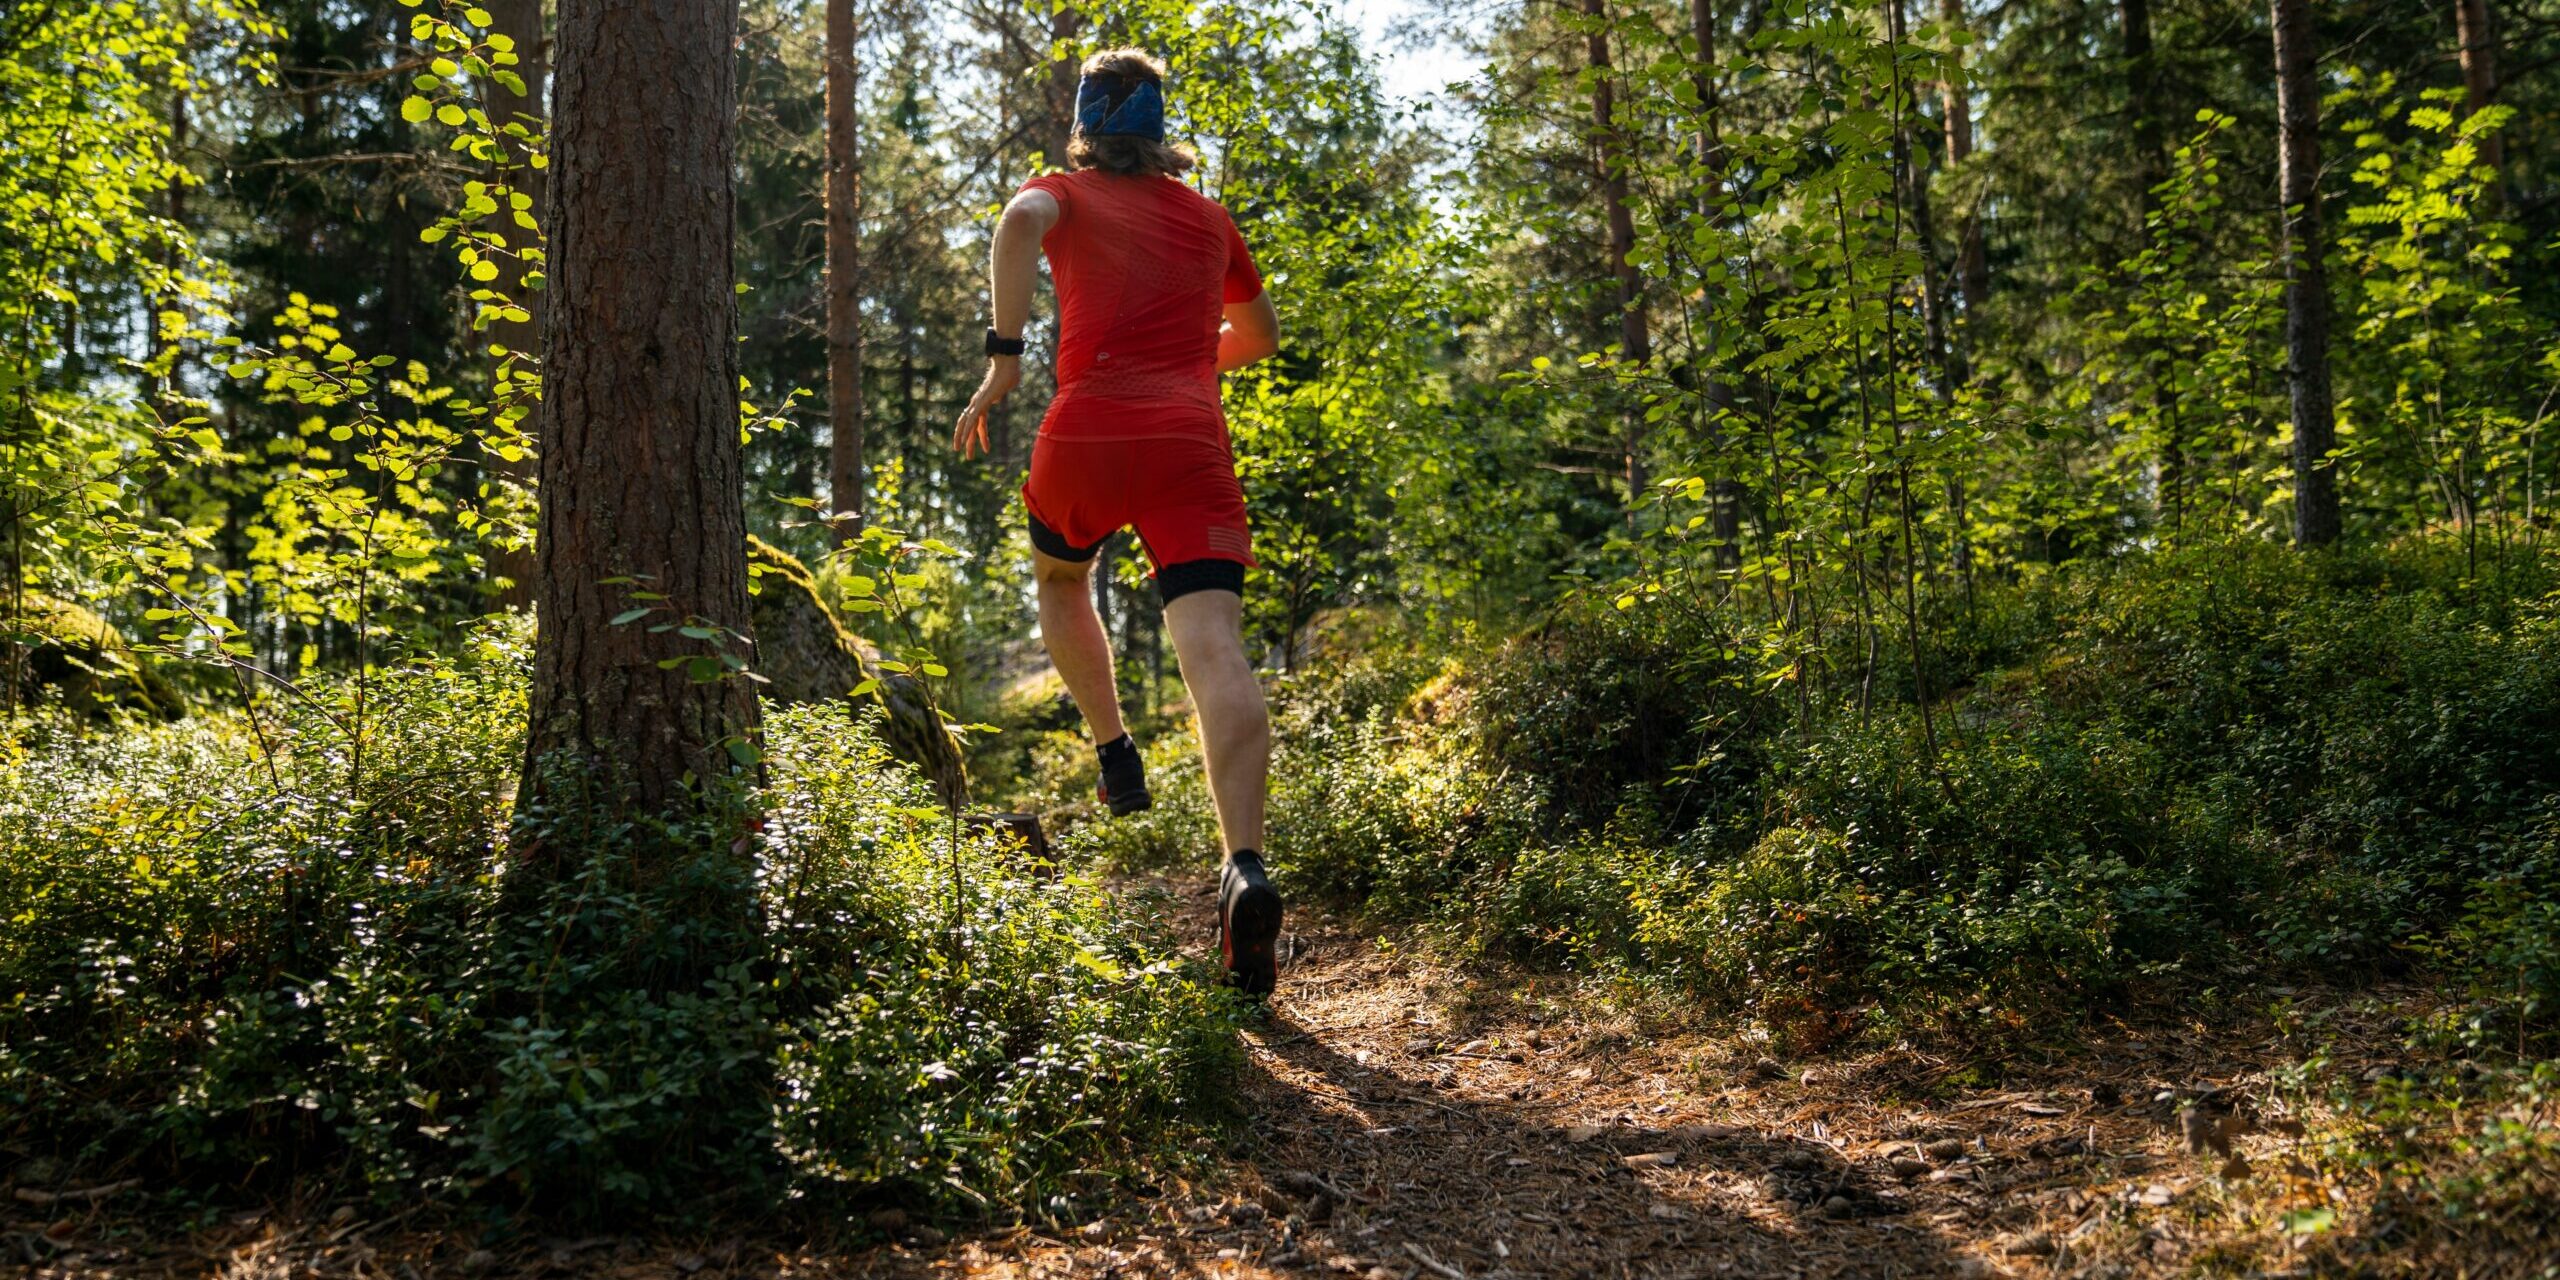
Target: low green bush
{"x": 2505, "y": 950}
{"x": 239, "y": 953}
{"x": 2168, "y": 769}
{"x": 1600, "y": 706}
{"x": 975, "y": 1034}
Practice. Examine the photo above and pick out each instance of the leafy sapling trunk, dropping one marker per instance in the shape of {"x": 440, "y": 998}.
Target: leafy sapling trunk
{"x": 514, "y": 105}
{"x": 2306, "y": 280}
{"x": 1609, "y": 152}
{"x": 844, "y": 269}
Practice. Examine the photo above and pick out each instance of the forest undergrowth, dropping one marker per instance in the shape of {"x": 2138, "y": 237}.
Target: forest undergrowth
{"x": 2185, "y": 788}
{"x": 2204, "y": 795}
{"x": 2166, "y": 776}
{"x": 1855, "y": 594}
{"x": 240, "y": 964}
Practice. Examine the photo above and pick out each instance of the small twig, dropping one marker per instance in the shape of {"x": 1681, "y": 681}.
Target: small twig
{"x": 1303, "y": 1182}
{"x": 1432, "y": 1264}
{"x": 91, "y": 1195}
{"x": 1419, "y": 1100}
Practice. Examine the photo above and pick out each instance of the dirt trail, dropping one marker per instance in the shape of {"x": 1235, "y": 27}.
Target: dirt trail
{"x": 1411, "y": 1123}
{"x": 1408, "y": 1124}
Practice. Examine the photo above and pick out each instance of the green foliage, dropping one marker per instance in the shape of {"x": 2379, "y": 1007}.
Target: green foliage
{"x": 1175, "y": 833}
{"x": 77, "y": 659}
{"x": 303, "y": 974}
{"x": 1004, "y": 1050}
{"x": 2173, "y": 342}
{"x": 343, "y": 529}
{"x": 85, "y": 164}
{"x": 2221, "y": 761}
{"x": 1599, "y": 699}
{"x": 1872, "y": 645}
{"x": 2506, "y": 948}
{"x": 86, "y": 177}
{"x": 2445, "y": 424}
{"x": 2454, "y": 1148}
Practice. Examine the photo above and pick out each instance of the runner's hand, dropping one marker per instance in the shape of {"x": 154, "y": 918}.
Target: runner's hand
{"x": 1004, "y": 373}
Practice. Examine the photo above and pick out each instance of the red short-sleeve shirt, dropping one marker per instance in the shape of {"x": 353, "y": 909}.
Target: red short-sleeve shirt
{"x": 1144, "y": 267}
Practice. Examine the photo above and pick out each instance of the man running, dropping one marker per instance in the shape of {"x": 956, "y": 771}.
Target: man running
{"x": 1157, "y": 296}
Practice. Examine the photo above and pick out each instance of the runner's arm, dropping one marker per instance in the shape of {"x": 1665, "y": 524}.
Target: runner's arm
{"x": 1014, "y": 266}
{"x": 1013, "y": 270}
{"x": 1251, "y": 332}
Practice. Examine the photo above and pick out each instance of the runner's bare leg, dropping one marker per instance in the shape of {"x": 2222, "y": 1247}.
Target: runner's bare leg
{"x": 1235, "y": 726}
{"x": 1078, "y": 647}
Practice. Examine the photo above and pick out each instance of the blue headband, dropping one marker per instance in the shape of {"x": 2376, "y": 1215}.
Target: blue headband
{"x": 1107, "y": 105}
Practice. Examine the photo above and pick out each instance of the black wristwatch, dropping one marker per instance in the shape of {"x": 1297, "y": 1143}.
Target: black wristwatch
{"x": 1000, "y": 345}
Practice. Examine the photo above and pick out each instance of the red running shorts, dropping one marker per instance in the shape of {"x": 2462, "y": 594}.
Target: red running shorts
{"x": 1179, "y": 493}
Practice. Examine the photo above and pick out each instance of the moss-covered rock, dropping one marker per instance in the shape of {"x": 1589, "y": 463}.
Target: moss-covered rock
{"x": 64, "y": 651}
{"x": 806, "y": 653}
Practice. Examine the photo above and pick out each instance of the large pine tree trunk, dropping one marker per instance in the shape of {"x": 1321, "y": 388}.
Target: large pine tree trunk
{"x": 2479, "y": 69}
{"x": 641, "y": 483}
{"x": 520, "y": 21}
{"x": 2306, "y": 281}
{"x": 844, "y": 270}
{"x": 1635, "y": 338}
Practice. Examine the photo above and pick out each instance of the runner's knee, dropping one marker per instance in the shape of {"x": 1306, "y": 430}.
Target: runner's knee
{"x": 1052, "y": 571}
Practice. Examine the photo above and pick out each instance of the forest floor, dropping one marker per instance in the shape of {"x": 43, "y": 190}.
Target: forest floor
{"x": 1408, "y": 1121}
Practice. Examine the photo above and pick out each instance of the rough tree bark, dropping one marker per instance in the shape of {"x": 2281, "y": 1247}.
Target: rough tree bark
{"x": 1635, "y": 338}
{"x": 844, "y": 270}
{"x": 520, "y": 21}
{"x": 2306, "y": 281}
{"x": 641, "y": 475}
{"x": 2479, "y": 70}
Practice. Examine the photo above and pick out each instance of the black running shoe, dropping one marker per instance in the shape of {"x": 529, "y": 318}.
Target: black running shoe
{"x": 1248, "y": 924}
{"x": 1124, "y": 778}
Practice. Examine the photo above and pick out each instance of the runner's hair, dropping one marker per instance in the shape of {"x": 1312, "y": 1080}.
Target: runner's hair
{"x": 1120, "y": 153}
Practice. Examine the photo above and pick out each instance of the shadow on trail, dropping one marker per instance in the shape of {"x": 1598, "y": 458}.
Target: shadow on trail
{"x": 1455, "y": 1172}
